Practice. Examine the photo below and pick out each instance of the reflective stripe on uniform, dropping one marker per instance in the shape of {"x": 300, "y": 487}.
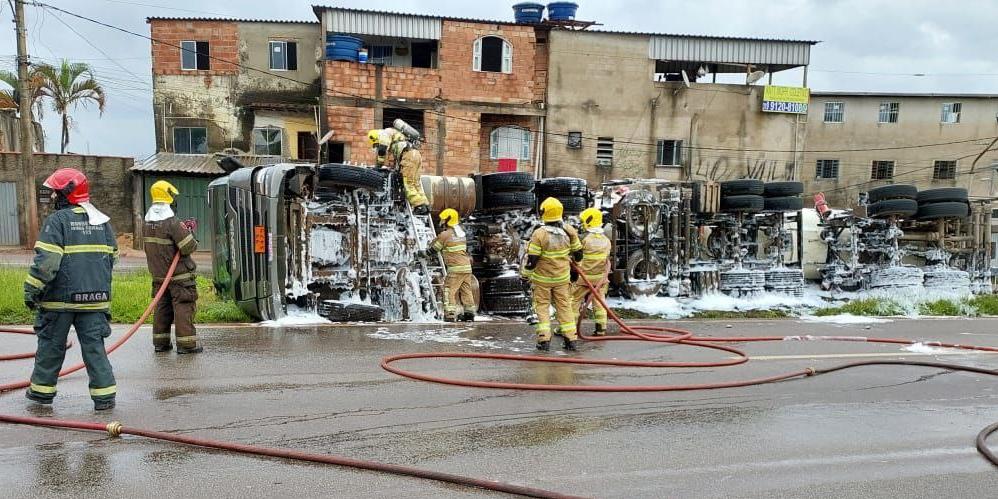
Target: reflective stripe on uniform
{"x": 576, "y": 246}
{"x": 595, "y": 278}
{"x": 79, "y": 210}
{"x": 534, "y": 249}
{"x": 51, "y": 248}
{"x": 32, "y": 281}
{"x": 186, "y": 241}
{"x": 438, "y": 245}
{"x": 101, "y": 392}
{"x": 180, "y": 277}
{"x": 89, "y": 248}
{"x": 534, "y": 276}
{"x": 555, "y": 253}
{"x": 58, "y": 305}
{"x": 42, "y": 388}
{"x": 454, "y": 248}
{"x": 567, "y": 328}
{"x": 161, "y": 336}
{"x": 595, "y": 256}
{"x": 459, "y": 269}
{"x": 543, "y": 327}
{"x": 158, "y": 240}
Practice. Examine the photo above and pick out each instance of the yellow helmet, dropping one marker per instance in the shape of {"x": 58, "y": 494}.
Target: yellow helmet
{"x": 373, "y": 136}
{"x": 450, "y": 217}
{"x": 551, "y": 210}
{"x": 591, "y": 218}
{"x": 163, "y": 192}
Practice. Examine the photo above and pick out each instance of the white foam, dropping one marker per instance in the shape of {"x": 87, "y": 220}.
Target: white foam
{"x": 922, "y": 348}
{"x": 443, "y": 335}
{"x": 296, "y": 317}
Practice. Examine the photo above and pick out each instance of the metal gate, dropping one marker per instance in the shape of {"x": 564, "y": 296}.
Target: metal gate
{"x": 9, "y": 230}
{"x": 192, "y": 203}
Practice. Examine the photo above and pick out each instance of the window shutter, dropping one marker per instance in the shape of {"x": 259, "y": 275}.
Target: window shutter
{"x": 477, "y": 63}
{"x": 507, "y": 57}
{"x": 204, "y": 60}
{"x": 292, "y": 55}
{"x": 525, "y": 153}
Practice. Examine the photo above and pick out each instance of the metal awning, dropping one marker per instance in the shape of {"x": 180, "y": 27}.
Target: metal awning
{"x": 358, "y": 22}
{"x": 777, "y": 54}
{"x": 198, "y": 164}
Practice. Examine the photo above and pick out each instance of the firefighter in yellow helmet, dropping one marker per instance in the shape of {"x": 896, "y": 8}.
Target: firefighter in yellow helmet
{"x": 165, "y": 235}
{"x": 595, "y": 266}
{"x": 407, "y": 158}
{"x": 549, "y": 270}
{"x": 460, "y": 285}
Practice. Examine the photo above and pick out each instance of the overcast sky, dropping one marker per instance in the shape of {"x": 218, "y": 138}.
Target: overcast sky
{"x": 866, "y": 45}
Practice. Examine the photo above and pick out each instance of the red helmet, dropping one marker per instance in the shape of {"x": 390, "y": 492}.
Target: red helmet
{"x": 71, "y": 183}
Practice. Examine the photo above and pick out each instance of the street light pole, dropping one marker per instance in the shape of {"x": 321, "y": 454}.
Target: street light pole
{"x": 29, "y": 208}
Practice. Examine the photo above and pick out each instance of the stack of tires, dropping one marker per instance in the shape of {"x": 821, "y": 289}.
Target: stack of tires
{"x": 506, "y": 294}
{"x": 507, "y": 191}
{"x": 572, "y": 192}
{"x": 948, "y": 202}
{"x": 334, "y": 177}
{"x": 742, "y": 196}
{"x": 892, "y": 201}
{"x": 783, "y": 196}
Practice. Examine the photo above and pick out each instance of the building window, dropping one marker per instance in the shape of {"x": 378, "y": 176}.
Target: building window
{"x": 604, "y": 151}
{"x": 882, "y": 170}
{"x": 834, "y": 112}
{"x": 944, "y": 170}
{"x": 510, "y": 142}
{"x": 381, "y": 54}
{"x": 268, "y": 141}
{"x": 284, "y": 56}
{"x": 493, "y": 54}
{"x": 951, "y": 112}
{"x": 194, "y": 56}
{"x": 889, "y": 112}
{"x": 670, "y": 153}
{"x": 826, "y": 169}
{"x": 575, "y": 140}
{"x": 190, "y": 140}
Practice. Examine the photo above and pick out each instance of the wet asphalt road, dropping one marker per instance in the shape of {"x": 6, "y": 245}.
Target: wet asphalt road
{"x": 870, "y": 432}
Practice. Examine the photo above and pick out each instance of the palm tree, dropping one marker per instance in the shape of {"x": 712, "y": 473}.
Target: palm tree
{"x": 72, "y": 84}
{"x": 10, "y": 98}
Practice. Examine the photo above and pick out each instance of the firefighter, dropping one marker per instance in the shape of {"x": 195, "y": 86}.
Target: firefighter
{"x": 164, "y": 235}
{"x": 547, "y": 267}
{"x": 69, "y": 284}
{"x": 407, "y": 158}
{"x": 595, "y": 266}
{"x": 460, "y": 285}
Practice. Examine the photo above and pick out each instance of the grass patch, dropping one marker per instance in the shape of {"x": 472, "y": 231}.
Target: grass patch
{"x": 947, "y": 308}
{"x": 131, "y": 293}
{"x": 628, "y": 313}
{"x": 985, "y": 304}
{"x": 864, "y": 307}
{"x": 745, "y": 314}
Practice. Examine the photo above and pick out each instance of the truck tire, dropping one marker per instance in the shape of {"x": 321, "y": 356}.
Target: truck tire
{"x": 503, "y": 285}
{"x": 509, "y": 201}
{"x": 788, "y": 203}
{"x": 518, "y": 304}
{"x": 946, "y": 209}
{"x": 945, "y": 194}
{"x": 338, "y": 311}
{"x": 892, "y": 207}
{"x": 899, "y": 191}
{"x": 783, "y": 189}
{"x": 743, "y": 203}
{"x": 743, "y": 187}
{"x": 337, "y": 175}
{"x": 573, "y": 205}
{"x": 561, "y": 186}
{"x": 508, "y": 182}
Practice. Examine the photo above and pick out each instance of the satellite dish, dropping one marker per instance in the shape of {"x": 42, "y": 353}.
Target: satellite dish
{"x": 754, "y": 77}
{"x": 326, "y": 138}
{"x": 686, "y": 79}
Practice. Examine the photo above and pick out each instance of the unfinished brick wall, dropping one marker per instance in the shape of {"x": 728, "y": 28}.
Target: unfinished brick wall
{"x": 460, "y": 82}
{"x": 350, "y": 126}
{"x": 222, "y": 38}
{"x": 462, "y": 143}
{"x": 353, "y": 79}
{"x": 541, "y": 64}
{"x": 492, "y": 121}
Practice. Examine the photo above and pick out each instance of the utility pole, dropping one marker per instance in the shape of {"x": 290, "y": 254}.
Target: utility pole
{"x": 29, "y": 206}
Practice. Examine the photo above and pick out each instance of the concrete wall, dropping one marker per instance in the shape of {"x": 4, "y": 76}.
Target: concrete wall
{"x": 110, "y": 182}
{"x": 602, "y": 86}
{"x": 918, "y": 124}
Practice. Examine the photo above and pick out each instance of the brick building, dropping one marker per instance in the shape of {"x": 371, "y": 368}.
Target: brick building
{"x": 474, "y": 88}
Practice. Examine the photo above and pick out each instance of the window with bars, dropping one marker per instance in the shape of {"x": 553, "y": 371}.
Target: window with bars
{"x": 944, "y": 170}
{"x": 826, "y": 169}
{"x": 951, "y": 112}
{"x": 268, "y": 141}
{"x": 574, "y": 140}
{"x": 510, "y": 142}
{"x": 493, "y": 54}
{"x": 889, "y": 112}
{"x": 604, "y": 151}
{"x": 834, "y": 112}
{"x": 283, "y": 56}
{"x": 194, "y": 55}
{"x": 670, "y": 153}
{"x": 882, "y": 170}
{"x": 381, "y": 54}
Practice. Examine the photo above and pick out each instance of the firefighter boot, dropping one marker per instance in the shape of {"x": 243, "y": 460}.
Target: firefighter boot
{"x": 37, "y": 399}
{"x": 421, "y": 210}
{"x": 183, "y": 350}
{"x": 600, "y": 330}
{"x": 163, "y": 348}
{"x": 103, "y": 404}
{"x": 544, "y": 346}
{"x": 468, "y": 317}
{"x": 570, "y": 345}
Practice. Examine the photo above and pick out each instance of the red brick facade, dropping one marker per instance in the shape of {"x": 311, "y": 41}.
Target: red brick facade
{"x": 350, "y": 125}
{"x": 462, "y": 83}
{"x": 222, "y": 38}
{"x": 490, "y": 122}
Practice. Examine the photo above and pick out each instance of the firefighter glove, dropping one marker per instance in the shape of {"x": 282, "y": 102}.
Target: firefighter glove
{"x": 574, "y": 274}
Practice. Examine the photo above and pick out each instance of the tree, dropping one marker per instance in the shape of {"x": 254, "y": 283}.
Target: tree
{"x": 9, "y": 98}
{"x": 70, "y": 85}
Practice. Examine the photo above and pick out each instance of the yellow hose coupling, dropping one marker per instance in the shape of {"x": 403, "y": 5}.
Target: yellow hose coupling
{"x": 809, "y": 372}
{"x": 114, "y": 429}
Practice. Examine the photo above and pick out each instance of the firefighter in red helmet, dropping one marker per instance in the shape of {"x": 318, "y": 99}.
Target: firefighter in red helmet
{"x": 69, "y": 284}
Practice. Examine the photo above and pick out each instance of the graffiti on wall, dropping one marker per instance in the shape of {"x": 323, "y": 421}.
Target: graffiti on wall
{"x": 726, "y": 168}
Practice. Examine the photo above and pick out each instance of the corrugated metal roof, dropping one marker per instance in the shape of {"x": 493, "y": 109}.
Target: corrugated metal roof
{"x": 229, "y": 19}
{"x": 198, "y": 164}
{"x": 729, "y": 50}
{"x": 709, "y": 37}
{"x": 319, "y": 9}
{"x": 382, "y": 23}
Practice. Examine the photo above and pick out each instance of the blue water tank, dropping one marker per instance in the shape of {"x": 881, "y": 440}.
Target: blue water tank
{"x": 562, "y": 11}
{"x": 342, "y": 47}
{"x": 528, "y": 13}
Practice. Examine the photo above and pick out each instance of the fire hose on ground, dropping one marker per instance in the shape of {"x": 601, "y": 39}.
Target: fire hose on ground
{"x": 654, "y": 334}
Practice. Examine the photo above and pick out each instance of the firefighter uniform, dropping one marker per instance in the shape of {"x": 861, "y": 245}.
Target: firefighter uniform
{"x": 595, "y": 266}
{"x": 164, "y": 235}
{"x": 460, "y": 285}
{"x": 549, "y": 270}
{"x": 69, "y": 284}
{"x": 407, "y": 159}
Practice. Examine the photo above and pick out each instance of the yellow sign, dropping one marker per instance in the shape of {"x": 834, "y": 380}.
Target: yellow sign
{"x": 785, "y": 99}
